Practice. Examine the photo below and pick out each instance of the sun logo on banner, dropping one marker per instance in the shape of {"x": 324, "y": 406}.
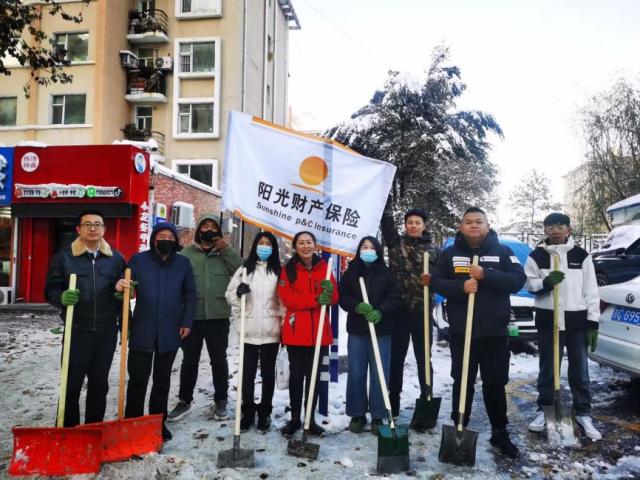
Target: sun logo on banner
{"x": 313, "y": 171}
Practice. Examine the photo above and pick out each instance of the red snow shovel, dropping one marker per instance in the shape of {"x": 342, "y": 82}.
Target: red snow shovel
{"x": 127, "y": 437}
{"x": 57, "y": 450}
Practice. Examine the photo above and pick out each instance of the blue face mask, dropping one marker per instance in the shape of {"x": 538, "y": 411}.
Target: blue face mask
{"x": 264, "y": 252}
{"x": 368, "y": 256}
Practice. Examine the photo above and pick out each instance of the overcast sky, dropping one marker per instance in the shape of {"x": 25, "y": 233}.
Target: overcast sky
{"x": 531, "y": 64}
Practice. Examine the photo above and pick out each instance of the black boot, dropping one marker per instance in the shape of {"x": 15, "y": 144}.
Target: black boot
{"x": 315, "y": 429}
{"x": 394, "y": 399}
{"x": 500, "y": 439}
{"x": 166, "y": 434}
{"x": 264, "y": 418}
{"x": 248, "y": 417}
{"x": 292, "y": 425}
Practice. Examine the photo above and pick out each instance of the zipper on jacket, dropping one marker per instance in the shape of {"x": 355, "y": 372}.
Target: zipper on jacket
{"x": 95, "y": 293}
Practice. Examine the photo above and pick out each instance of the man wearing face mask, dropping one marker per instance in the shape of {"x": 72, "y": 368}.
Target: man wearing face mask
{"x": 214, "y": 263}
{"x": 165, "y": 307}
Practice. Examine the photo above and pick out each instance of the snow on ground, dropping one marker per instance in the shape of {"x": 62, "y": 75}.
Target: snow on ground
{"x": 29, "y": 374}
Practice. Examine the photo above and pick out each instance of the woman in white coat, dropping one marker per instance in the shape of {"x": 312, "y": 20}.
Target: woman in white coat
{"x": 262, "y": 326}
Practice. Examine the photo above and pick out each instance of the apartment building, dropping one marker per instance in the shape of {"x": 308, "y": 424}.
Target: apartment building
{"x": 167, "y": 70}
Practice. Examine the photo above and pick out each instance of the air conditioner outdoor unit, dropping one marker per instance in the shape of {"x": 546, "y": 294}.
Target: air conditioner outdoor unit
{"x": 164, "y": 63}
{"x": 6, "y": 295}
{"x": 128, "y": 59}
{"x": 182, "y": 215}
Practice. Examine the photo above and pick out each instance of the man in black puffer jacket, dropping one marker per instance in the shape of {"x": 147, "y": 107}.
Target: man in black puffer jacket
{"x": 94, "y": 333}
{"x": 497, "y": 276}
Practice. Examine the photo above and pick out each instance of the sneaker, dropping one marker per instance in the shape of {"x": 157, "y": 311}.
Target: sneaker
{"x": 500, "y": 439}
{"x": 291, "y": 427}
{"x": 219, "y": 410}
{"x": 587, "y": 425}
{"x": 315, "y": 429}
{"x": 356, "y": 425}
{"x": 166, "y": 434}
{"x": 181, "y": 409}
{"x": 538, "y": 424}
{"x": 264, "y": 422}
{"x": 375, "y": 424}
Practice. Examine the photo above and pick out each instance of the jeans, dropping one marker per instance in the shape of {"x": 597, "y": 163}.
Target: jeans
{"x": 300, "y": 364}
{"x": 139, "y": 367}
{"x": 491, "y": 355}
{"x": 91, "y": 355}
{"x": 216, "y": 335}
{"x": 267, "y": 354}
{"x": 409, "y": 326}
{"x": 360, "y": 358}
{"x": 578, "y": 369}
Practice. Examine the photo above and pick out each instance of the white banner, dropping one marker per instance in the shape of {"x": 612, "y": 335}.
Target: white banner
{"x": 286, "y": 181}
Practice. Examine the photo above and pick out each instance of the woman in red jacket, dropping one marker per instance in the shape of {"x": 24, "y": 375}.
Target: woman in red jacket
{"x": 303, "y": 289}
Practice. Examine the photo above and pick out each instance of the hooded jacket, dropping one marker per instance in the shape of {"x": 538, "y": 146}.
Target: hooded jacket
{"x": 165, "y": 297}
{"x": 263, "y": 315}
{"x": 96, "y": 280}
{"x": 503, "y": 275}
{"x": 300, "y": 298}
{"x": 212, "y": 271}
{"x": 579, "y": 301}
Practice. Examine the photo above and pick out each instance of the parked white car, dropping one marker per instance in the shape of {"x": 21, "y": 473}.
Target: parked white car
{"x": 619, "y": 332}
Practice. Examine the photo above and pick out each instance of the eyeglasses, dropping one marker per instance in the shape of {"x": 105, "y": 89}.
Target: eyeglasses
{"x": 92, "y": 226}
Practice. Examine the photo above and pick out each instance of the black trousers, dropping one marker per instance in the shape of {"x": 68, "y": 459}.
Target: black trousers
{"x": 90, "y": 355}
{"x": 492, "y": 356}
{"x": 139, "y": 366}
{"x": 409, "y": 326}
{"x": 216, "y": 335}
{"x": 267, "y": 354}
{"x": 300, "y": 364}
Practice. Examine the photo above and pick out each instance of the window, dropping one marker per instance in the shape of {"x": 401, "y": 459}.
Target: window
{"x": 146, "y": 57}
{"x": 146, "y": 5}
{"x": 195, "y": 118}
{"x": 197, "y": 57}
{"x": 74, "y": 46}
{"x": 200, "y": 171}
{"x": 8, "y": 111}
{"x": 198, "y": 7}
{"x": 68, "y": 109}
{"x": 144, "y": 117}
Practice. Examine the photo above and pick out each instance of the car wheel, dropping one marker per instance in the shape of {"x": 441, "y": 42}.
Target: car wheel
{"x": 601, "y": 279}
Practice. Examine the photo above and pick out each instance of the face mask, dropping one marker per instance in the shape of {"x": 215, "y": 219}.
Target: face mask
{"x": 264, "y": 252}
{"x": 165, "y": 246}
{"x": 368, "y": 256}
{"x": 209, "y": 235}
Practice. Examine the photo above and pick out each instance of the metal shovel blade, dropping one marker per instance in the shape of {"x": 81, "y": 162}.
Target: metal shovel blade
{"x": 458, "y": 448}
{"x": 425, "y": 415}
{"x": 393, "y": 449}
{"x": 236, "y": 457}
{"x": 560, "y": 426}
{"x": 303, "y": 449}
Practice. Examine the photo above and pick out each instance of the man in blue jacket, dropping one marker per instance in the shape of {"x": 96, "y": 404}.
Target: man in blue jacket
{"x": 497, "y": 276}
{"x": 165, "y": 307}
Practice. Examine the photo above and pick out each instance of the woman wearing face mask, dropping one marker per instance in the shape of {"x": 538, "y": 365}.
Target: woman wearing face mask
{"x": 384, "y": 294}
{"x": 262, "y": 326}
{"x": 303, "y": 289}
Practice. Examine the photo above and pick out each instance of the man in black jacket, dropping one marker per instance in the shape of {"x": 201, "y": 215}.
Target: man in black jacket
{"x": 497, "y": 275}
{"x": 94, "y": 332}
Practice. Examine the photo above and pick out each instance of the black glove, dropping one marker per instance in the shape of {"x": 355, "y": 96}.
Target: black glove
{"x": 242, "y": 289}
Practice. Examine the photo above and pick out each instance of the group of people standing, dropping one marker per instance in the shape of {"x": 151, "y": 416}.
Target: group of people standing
{"x": 184, "y": 300}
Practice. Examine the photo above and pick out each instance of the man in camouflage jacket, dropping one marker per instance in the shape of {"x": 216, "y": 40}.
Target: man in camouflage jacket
{"x": 406, "y": 253}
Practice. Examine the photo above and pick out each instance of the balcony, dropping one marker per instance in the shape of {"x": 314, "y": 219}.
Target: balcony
{"x": 134, "y": 134}
{"x": 148, "y": 26}
{"x": 146, "y": 86}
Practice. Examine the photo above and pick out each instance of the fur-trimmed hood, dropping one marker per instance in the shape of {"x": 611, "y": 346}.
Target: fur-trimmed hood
{"x": 79, "y": 248}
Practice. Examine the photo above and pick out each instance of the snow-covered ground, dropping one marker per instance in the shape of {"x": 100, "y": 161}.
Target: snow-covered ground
{"x": 29, "y": 374}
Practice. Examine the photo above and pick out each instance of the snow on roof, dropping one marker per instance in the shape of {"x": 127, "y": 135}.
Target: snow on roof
{"x": 620, "y": 237}
{"x": 627, "y": 202}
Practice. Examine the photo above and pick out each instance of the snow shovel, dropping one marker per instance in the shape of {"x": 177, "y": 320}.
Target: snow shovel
{"x": 558, "y": 417}
{"x": 425, "y": 415}
{"x": 237, "y": 457}
{"x": 304, "y": 448}
{"x": 57, "y": 450}
{"x": 127, "y": 437}
{"x": 393, "y": 441}
{"x": 458, "y": 445}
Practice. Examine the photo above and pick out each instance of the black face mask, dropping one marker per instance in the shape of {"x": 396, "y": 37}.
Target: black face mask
{"x": 165, "y": 246}
{"x": 209, "y": 235}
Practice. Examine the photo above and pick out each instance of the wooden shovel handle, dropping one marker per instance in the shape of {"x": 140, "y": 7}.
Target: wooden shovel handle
{"x": 556, "y": 327}
{"x": 427, "y": 329}
{"x": 243, "y": 312}
{"x": 124, "y": 336}
{"x": 66, "y": 349}
{"x": 465, "y": 357}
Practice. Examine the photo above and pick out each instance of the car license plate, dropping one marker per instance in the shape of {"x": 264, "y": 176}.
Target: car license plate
{"x": 626, "y": 315}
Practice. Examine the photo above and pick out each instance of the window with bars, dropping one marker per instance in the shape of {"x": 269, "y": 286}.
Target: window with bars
{"x": 73, "y": 46}
{"x": 195, "y": 118}
{"x": 68, "y": 109}
{"x": 197, "y": 57}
